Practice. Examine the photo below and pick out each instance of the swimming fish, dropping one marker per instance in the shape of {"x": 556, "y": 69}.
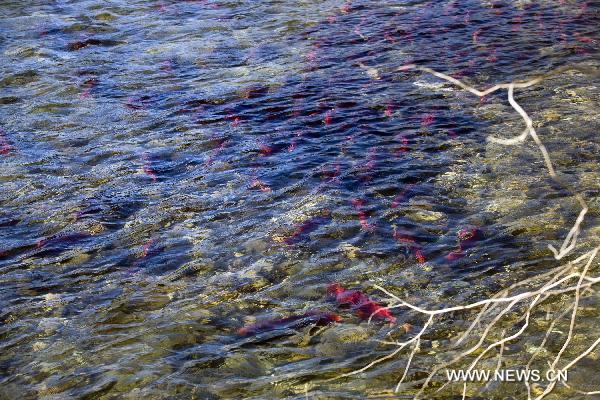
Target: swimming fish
{"x": 258, "y": 184}
{"x": 362, "y": 215}
{"x": 138, "y": 103}
{"x": 88, "y": 85}
{"x": 404, "y": 148}
{"x": 412, "y": 244}
{"x": 88, "y": 211}
{"x": 583, "y": 39}
{"x": 366, "y": 170}
{"x": 148, "y": 168}
{"x": 80, "y": 44}
{"x": 331, "y": 173}
{"x": 306, "y": 227}
{"x": 328, "y": 116}
{"x": 428, "y": 119}
{"x": 315, "y": 317}
{"x": 389, "y": 37}
{"x": 256, "y": 91}
{"x": 235, "y": 120}
{"x": 389, "y": 110}
{"x": 359, "y": 302}
{"x": 402, "y": 197}
{"x": 476, "y": 35}
{"x": 5, "y": 145}
{"x": 455, "y": 255}
{"x": 220, "y": 143}
{"x": 265, "y": 150}
{"x": 467, "y": 238}
{"x": 149, "y": 249}
{"x": 61, "y": 237}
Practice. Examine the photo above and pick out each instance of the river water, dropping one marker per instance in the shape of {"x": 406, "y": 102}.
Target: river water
{"x": 172, "y": 171}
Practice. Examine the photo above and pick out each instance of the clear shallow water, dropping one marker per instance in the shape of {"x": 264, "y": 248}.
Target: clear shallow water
{"x": 160, "y": 161}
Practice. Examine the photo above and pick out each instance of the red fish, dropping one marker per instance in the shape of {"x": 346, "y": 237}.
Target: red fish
{"x": 255, "y": 91}
{"x": 265, "y": 150}
{"x": 148, "y": 250}
{"x": 148, "y": 168}
{"x": 44, "y": 31}
{"x": 362, "y": 215}
{"x": 428, "y": 119}
{"x": 516, "y": 23}
{"x": 88, "y": 85}
{"x": 138, "y": 103}
{"x": 476, "y": 35}
{"x": 467, "y": 238}
{"x": 258, "y": 184}
{"x": 412, "y": 244}
{"x": 5, "y": 145}
{"x": 221, "y": 144}
{"x": 455, "y": 255}
{"x": 405, "y": 145}
{"x": 370, "y": 164}
{"x": 420, "y": 256}
{"x": 389, "y": 111}
{"x": 83, "y": 43}
{"x": 304, "y": 228}
{"x": 317, "y": 318}
{"x": 331, "y": 173}
{"x": 583, "y": 39}
{"x": 402, "y": 197}
{"x": 60, "y": 238}
{"x": 234, "y": 119}
{"x": 360, "y": 303}
{"x": 87, "y": 211}
{"x": 389, "y": 37}
{"x": 328, "y": 116}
